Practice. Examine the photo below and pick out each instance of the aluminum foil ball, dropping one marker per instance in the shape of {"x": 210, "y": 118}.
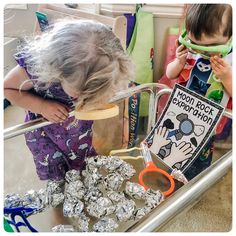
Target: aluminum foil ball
{"x": 105, "y": 225}
{"x": 75, "y": 195}
{"x": 112, "y": 163}
{"x": 92, "y": 178}
{"x": 126, "y": 170}
{"x": 125, "y": 210}
{"x": 75, "y": 185}
{"x": 82, "y": 223}
{"x": 134, "y": 190}
{"x": 116, "y": 196}
{"x": 113, "y": 181}
{"x": 63, "y": 228}
{"x": 72, "y": 175}
{"x": 57, "y": 199}
{"x": 75, "y": 191}
{"x": 102, "y": 207}
{"x": 12, "y": 200}
{"x": 95, "y": 162}
{"x": 92, "y": 195}
{"x": 33, "y": 199}
{"x": 55, "y": 186}
{"x": 153, "y": 198}
{"x": 141, "y": 212}
{"x": 71, "y": 209}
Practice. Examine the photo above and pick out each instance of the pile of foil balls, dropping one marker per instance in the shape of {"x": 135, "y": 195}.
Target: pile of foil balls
{"x": 93, "y": 195}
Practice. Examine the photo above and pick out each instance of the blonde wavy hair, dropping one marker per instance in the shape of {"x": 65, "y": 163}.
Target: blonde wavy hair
{"x": 85, "y": 54}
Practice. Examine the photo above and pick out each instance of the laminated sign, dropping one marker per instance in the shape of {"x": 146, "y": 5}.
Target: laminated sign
{"x": 184, "y": 127}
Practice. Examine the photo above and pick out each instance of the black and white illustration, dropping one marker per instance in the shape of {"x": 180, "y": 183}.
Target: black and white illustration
{"x": 185, "y": 125}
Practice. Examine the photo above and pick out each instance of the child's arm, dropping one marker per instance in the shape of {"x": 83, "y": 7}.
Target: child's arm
{"x": 223, "y": 71}
{"x": 51, "y": 110}
{"x": 175, "y": 67}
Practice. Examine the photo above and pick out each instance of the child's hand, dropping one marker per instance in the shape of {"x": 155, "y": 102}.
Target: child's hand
{"x": 221, "y": 69}
{"x": 54, "y": 111}
{"x": 181, "y": 53}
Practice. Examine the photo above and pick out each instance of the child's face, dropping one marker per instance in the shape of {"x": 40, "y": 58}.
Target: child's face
{"x": 217, "y": 39}
{"x": 69, "y": 90}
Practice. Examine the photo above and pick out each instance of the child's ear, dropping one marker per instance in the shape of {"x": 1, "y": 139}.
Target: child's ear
{"x": 177, "y": 43}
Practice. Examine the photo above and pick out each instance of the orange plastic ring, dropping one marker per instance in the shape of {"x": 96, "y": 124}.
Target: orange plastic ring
{"x": 169, "y": 177}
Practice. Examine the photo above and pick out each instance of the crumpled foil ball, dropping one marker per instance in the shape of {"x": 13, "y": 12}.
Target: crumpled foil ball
{"x": 92, "y": 195}
{"x": 112, "y": 163}
{"x": 92, "y": 178}
{"x": 95, "y": 162}
{"x": 75, "y": 191}
{"x": 141, "y": 212}
{"x": 105, "y": 225}
{"x": 134, "y": 190}
{"x": 116, "y": 196}
{"x": 71, "y": 209}
{"x": 12, "y": 200}
{"x": 126, "y": 170}
{"x": 57, "y": 199}
{"x": 125, "y": 209}
{"x": 153, "y": 198}
{"x": 63, "y": 228}
{"x": 33, "y": 199}
{"x": 55, "y": 186}
{"x": 102, "y": 207}
{"x": 113, "y": 181}
{"x": 72, "y": 176}
{"x": 82, "y": 223}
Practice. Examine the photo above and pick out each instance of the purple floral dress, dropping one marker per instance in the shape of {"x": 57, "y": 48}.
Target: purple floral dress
{"x": 58, "y": 147}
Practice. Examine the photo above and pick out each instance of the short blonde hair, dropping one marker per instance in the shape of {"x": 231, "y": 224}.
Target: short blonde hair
{"x": 85, "y": 54}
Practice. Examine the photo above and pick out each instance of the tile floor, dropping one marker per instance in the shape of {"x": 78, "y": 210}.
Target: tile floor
{"x": 213, "y": 213}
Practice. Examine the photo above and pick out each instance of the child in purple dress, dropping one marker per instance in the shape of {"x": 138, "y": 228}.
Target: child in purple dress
{"x": 76, "y": 63}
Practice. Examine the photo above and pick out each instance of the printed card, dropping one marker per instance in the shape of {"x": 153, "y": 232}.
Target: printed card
{"x": 184, "y": 127}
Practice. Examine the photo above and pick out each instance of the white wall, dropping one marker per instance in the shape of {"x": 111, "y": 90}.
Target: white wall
{"x": 19, "y": 22}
